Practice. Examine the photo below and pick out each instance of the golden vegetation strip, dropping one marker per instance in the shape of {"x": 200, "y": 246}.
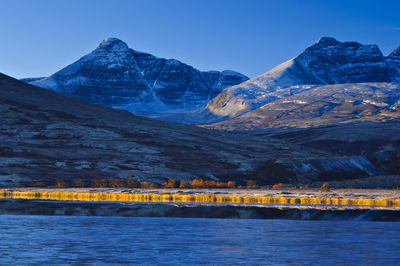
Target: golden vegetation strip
{"x": 199, "y": 198}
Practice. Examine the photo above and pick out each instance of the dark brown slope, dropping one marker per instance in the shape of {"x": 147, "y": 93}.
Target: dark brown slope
{"x": 45, "y": 135}
{"x": 379, "y": 142}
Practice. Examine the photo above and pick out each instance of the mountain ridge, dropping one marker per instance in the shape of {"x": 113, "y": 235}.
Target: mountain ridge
{"x": 115, "y": 75}
{"x": 326, "y": 62}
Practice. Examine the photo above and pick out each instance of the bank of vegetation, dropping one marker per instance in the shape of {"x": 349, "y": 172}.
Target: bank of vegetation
{"x": 134, "y": 183}
{"x": 203, "y": 196}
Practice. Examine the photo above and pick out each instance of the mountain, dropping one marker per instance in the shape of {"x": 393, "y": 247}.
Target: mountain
{"x": 394, "y": 58}
{"x": 321, "y": 106}
{"x": 114, "y": 75}
{"x": 28, "y": 80}
{"x": 326, "y": 62}
{"x": 46, "y": 135}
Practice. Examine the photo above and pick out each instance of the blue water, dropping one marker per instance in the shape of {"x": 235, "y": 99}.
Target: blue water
{"x": 29, "y": 239}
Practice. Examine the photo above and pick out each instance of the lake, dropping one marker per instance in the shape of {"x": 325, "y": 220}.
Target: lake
{"x": 32, "y": 239}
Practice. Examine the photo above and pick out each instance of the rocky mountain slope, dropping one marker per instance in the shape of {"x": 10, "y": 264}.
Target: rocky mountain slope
{"x": 379, "y": 142}
{"x": 114, "y": 75}
{"x": 394, "y": 57}
{"x": 323, "y": 105}
{"x": 326, "y": 62}
{"x": 45, "y": 135}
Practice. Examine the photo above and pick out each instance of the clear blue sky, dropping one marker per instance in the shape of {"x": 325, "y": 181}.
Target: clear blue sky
{"x": 42, "y": 36}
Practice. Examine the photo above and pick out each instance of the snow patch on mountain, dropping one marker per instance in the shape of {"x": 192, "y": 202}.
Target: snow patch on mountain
{"x": 27, "y": 80}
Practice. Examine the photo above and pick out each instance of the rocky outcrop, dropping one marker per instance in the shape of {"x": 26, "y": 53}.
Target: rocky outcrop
{"x": 334, "y": 62}
{"x": 394, "y": 58}
{"x": 114, "y": 75}
{"x": 395, "y": 54}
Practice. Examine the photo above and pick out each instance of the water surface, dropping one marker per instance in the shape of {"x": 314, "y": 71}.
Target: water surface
{"x": 30, "y": 239}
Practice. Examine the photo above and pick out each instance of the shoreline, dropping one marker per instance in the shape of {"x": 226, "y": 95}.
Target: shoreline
{"x": 290, "y": 197}
{"x": 197, "y": 210}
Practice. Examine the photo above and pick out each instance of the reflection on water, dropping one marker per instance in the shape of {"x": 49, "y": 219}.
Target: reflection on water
{"x": 28, "y": 239}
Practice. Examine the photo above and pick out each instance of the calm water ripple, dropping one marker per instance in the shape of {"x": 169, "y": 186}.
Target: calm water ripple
{"x": 29, "y": 239}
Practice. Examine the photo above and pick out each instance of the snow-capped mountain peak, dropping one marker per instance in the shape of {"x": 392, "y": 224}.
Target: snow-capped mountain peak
{"x": 328, "y": 61}
{"x": 327, "y": 41}
{"x": 113, "y": 44}
{"x": 114, "y": 75}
